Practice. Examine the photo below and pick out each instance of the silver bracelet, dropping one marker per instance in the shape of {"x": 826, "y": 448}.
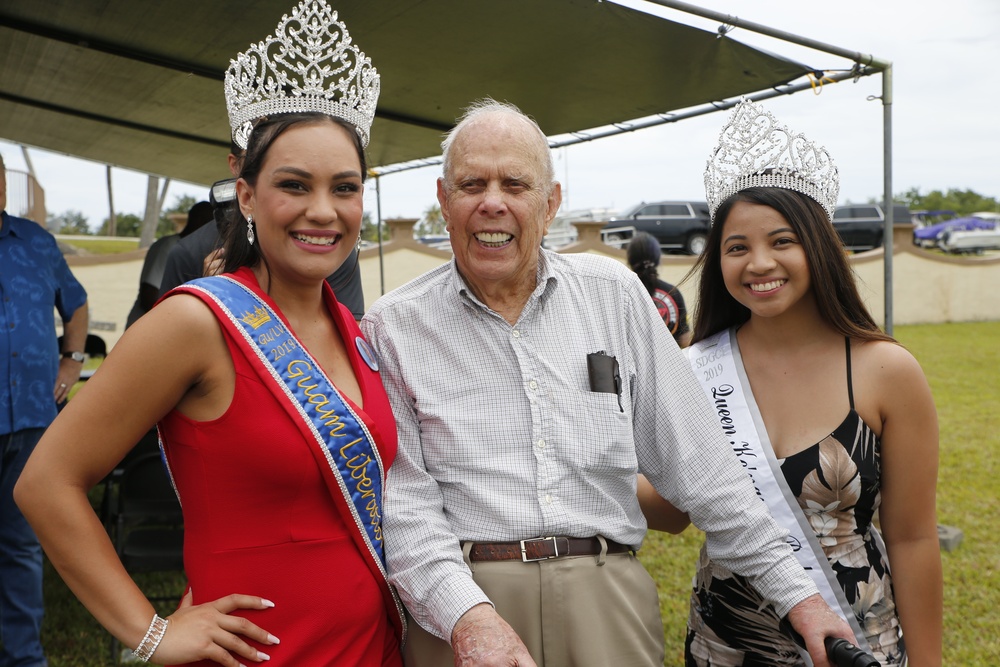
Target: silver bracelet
{"x": 157, "y": 628}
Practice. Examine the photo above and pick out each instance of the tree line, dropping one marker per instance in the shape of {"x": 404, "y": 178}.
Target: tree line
{"x": 960, "y": 202}
{"x": 126, "y": 224}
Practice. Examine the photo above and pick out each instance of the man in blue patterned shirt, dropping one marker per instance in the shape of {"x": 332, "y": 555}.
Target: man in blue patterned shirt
{"x": 34, "y": 378}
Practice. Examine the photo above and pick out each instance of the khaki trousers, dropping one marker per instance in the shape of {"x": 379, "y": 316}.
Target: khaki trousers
{"x": 569, "y": 612}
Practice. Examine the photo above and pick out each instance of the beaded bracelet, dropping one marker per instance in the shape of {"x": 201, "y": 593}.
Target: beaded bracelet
{"x": 157, "y": 628}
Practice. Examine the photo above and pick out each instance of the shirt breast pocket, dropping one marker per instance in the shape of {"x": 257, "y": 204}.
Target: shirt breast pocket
{"x": 604, "y": 432}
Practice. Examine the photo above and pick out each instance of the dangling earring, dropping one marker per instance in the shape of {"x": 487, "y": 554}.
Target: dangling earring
{"x": 250, "y": 229}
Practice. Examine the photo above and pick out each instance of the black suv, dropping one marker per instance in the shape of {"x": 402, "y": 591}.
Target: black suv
{"x": 679, "y": 226}
{"x": 861, "y": 225}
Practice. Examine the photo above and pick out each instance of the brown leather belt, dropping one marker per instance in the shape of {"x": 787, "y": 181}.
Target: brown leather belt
{"x": 542, "y": 548}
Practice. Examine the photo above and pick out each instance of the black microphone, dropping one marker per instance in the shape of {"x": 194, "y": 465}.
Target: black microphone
{"x": 843, "y": 653}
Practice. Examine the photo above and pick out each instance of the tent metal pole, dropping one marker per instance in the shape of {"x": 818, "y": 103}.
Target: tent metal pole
{"x": 727, "y": 19}
{"x": 378, "y": 220}
{"x": 887, "y": 208}
{"x": 674, "y": 116}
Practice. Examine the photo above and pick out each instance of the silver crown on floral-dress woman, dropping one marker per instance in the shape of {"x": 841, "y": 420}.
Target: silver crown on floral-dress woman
{"x": 755, "y": 150}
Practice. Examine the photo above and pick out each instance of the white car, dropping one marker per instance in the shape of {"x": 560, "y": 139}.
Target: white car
{"x": 562, "y": 232}
{"x": 973, "y": 240}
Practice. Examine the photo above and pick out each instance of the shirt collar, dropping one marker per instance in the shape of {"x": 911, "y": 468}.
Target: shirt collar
{"x": 6, "y": 224}
{"x": 546, "y": 280}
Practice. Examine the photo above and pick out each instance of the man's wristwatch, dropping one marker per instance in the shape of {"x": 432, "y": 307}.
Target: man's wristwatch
{"x": 75, "y": 356}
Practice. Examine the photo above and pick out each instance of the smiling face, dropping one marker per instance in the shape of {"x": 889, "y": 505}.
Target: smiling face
{"x": 498, "y": 204}
{"x": 306, "y": 201}
{"x": 763, "y": 264}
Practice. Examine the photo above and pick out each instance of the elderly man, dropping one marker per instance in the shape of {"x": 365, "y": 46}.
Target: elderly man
{"x": 529, "y": 389}
{"x": 34, "y": 376}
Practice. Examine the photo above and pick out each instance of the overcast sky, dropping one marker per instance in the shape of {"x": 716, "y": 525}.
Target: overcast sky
{"x": 945, "y": 118}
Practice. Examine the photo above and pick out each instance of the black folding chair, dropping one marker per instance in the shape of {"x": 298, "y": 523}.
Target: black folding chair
{"x": 149, "y": 528}
{"x": 148, "y": 444}
{"x": 147, "y": 522}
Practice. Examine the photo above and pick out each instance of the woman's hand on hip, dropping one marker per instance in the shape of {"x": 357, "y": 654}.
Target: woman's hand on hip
{"x": 208, "y": 632}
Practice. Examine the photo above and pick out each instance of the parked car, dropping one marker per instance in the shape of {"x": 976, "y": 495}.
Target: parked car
{"x": 970, "y": 241}
{"x": 679, "y": 226}
{"x": 959, "y": 235}
{"x": 862, "y": 226}
{"x": 930, "y": 236}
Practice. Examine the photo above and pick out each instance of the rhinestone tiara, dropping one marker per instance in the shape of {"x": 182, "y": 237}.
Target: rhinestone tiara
{"x": 755, "y": 150}
{"x": 310, "y": 64}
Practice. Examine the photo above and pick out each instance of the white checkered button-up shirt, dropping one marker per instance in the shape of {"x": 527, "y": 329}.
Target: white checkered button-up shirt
{"x": 501, "y": 438}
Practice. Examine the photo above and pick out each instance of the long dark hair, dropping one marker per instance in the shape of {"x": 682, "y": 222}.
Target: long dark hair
{"x": 238, "y": 251}
{"x": 830, "y": 273}
{"x": 643, "y": 254}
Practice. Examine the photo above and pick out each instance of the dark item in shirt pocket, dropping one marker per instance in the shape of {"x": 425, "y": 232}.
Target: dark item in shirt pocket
{"x": 602, "y": 369}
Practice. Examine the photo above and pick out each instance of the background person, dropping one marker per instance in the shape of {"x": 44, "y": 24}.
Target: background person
{"x": 643, "y": 254}
{"x": 504, "y": 439}
{"x": 272, "y": 415}
{"x": 34, "y": 377}
{"x": 836, "y": 416}
{"x": 156, "y": 259}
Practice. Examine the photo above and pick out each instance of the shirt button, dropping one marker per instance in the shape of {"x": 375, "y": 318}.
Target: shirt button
{"x": 541, "y": 444}
{"x": 532, "y": 385}
{"x": 548, "y": 499}
{"x": 516, "y": 334}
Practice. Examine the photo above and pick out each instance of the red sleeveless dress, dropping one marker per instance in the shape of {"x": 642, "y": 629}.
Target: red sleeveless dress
{"x": 259, "y": 519}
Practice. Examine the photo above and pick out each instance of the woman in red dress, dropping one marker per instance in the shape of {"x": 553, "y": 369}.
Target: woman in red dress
{"x": 274, "y": 425}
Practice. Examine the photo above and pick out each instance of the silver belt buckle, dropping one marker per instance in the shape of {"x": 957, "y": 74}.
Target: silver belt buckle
{"x": 524, "y": 552}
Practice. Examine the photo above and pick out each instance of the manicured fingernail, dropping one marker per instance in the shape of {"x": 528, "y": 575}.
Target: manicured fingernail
{"x": 263, "y": 656}
{"x": 266, "y": 603}
{"x": 273, "y": 640}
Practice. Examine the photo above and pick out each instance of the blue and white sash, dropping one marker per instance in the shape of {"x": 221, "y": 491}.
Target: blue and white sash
{"x": 337, "y": 434}
{"x": 719, "y": 368}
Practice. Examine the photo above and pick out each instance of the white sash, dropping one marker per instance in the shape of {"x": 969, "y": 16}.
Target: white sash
{"x": 717, "y": 363}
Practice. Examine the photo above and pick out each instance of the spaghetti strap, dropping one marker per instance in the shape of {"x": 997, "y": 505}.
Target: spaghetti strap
{"x": 850, "y": 386}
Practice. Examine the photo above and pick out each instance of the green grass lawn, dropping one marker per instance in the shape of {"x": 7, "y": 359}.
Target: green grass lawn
{"x": 961, "y": 362}
{"x": 102, "y": 246}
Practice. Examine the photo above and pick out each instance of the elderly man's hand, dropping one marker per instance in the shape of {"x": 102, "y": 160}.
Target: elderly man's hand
{"x": 815, "y": 621}
{"x": 481, "y": 637}
{"x": 213, "y": 262}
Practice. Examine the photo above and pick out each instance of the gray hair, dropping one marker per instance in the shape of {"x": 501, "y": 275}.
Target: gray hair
{"x": 488, "y": 106}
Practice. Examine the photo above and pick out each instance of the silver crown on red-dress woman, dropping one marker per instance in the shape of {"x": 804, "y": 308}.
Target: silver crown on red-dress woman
{"x": 310, "y": 64}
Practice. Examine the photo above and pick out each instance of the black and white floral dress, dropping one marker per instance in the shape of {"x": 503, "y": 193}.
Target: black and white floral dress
{"x": 836, "y": 482}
